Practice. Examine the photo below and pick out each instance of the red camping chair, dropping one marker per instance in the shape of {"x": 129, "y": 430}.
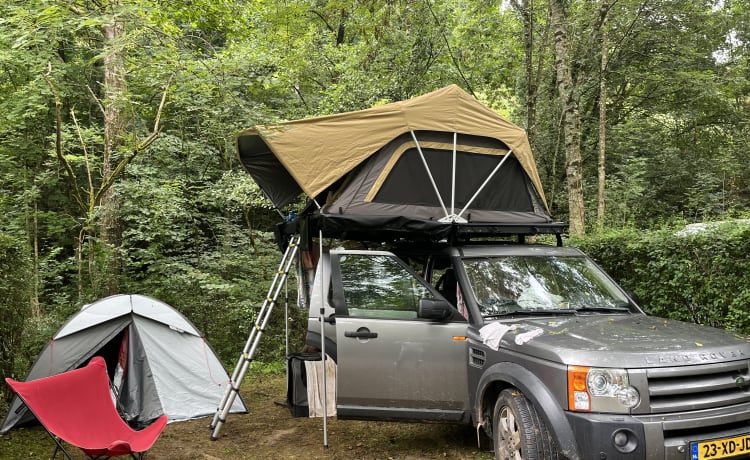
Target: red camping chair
{"x": 77, "y": 407}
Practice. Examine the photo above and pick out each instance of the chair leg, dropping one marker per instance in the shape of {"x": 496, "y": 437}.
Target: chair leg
{"x": 58, "y": 446}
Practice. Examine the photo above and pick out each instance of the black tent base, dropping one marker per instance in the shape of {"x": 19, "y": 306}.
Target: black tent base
{"x": 389, "y": 229}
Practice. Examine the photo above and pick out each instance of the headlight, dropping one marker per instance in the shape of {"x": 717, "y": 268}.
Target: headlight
{"x": 593, "y": 389}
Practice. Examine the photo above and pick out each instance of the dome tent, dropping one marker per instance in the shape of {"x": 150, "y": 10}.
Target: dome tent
{"x": 158, "y": 361}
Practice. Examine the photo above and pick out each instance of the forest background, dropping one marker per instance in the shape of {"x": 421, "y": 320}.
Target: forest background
{"x": 118, "y": 170}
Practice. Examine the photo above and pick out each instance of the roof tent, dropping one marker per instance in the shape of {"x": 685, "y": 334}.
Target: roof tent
{"x": 431, "y": 167}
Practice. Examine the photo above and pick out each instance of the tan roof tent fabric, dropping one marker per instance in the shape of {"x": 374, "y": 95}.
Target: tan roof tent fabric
{"x": 310, "y": 155}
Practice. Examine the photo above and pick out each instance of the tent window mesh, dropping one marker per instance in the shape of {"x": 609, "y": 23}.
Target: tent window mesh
{"x": 408, "y": 182}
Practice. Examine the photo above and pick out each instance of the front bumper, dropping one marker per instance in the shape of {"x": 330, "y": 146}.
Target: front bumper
{"x": 655, "y": 437}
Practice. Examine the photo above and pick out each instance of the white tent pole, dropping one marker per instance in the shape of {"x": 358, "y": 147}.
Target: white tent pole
{"x": 323, "y": 339}
{"x": 486, "y": 181}
{"x": 286, "y": 325}
{"x": 429, "y": 173}
{"x": 453, "y": 178}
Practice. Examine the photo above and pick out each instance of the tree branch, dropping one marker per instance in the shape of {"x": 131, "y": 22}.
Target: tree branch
{"x": 96, "y": 99}
{"x": 140, "y": 147}
{"x": 450, "y": 50}
{"x": 85, "y": 152}
{"x": 58, "y": 140}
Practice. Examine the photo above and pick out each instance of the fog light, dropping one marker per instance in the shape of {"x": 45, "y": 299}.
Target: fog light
{"x": 620, "y": 439}
{"x": 624, "y": 441}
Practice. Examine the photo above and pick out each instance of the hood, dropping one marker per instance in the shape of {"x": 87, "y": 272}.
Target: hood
{"x": 628, "y": 341}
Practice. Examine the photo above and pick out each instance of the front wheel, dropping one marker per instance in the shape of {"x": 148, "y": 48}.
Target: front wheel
{"x": 517, "y": 430}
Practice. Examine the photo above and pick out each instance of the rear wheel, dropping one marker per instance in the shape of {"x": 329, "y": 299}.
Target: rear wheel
{"x": 517, "y": 430}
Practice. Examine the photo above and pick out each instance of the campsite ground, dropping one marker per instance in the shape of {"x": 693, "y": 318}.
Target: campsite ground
{"x": 269, "y": 431}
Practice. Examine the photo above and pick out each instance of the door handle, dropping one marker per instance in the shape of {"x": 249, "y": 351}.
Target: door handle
{"x": 361, "y": 333}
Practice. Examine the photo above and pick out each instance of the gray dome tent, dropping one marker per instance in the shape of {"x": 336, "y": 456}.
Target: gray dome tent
{"x": 158, "y": 360}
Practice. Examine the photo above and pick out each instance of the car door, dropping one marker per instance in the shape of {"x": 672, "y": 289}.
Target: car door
{"x": 391, "y": 363}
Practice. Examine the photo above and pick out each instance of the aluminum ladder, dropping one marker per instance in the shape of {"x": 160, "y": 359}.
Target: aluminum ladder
{"x": 246, "y": 358}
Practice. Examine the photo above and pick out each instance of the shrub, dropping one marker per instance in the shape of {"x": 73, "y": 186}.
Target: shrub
{"x": 694, "y": 274}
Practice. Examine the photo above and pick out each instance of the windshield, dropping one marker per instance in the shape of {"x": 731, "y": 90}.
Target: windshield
{"x": 517, "y": 284}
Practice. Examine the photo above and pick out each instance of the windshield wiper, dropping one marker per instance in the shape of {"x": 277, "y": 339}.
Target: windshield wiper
{"x": 539, "y": 312}
{"x": 603, "y": 309}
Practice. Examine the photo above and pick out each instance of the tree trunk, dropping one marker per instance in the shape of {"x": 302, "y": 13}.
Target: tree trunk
{"x": 600, "y": 209}
{"x": 36, "y": 309}
{"x": 114, "y": 126}
{"x": 571, "y": 119}
{"x": 525, "y": 8}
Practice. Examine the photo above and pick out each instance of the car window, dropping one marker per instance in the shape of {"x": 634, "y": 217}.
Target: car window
{"x": 378, "y": 286}
{"x": 507, "y": 284}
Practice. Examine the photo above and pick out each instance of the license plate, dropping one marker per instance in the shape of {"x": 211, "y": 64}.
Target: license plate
{"x": 720, "y": 448}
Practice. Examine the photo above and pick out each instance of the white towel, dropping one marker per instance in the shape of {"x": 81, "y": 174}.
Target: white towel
{"x": 314, "y": 371}
{"x": 493, "y": 333}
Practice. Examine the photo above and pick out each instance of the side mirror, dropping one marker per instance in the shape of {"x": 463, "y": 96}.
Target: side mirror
{"x": 435, "y": 309}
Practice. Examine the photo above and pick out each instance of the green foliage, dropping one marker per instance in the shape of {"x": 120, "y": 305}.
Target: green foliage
{"x": 191, "y": 244}
{"x": 195, "y": 229}
{"x": 699, "y": 274}
{"x": 15, "y": 303}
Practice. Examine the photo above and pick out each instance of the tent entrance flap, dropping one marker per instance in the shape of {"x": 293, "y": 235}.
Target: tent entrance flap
{"x": 413, "y": 175}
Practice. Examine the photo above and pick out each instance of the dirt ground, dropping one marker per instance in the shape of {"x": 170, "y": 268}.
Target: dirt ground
{"x": 269, "y": 431}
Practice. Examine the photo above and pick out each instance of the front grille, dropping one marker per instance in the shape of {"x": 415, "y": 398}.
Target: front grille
{"x": 477, "y": 357}
{"x": 679, "y": 389}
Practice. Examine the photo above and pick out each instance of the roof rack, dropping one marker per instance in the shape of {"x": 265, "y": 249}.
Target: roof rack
{"x": 388, "y": 230}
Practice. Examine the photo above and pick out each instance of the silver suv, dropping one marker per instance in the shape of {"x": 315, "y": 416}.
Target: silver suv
{"x": 535, "y": 345}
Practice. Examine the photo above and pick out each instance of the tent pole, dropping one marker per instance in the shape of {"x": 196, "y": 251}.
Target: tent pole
{"x": 453, "y": 178}
{"x": 323, "y": 341}
{"x": 486, "y": 181}
{"x": 286, "y": 324}
{"x": 429, "y": 173}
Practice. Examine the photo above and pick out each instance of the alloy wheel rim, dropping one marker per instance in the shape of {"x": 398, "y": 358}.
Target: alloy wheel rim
{"x": 509, "y": 437}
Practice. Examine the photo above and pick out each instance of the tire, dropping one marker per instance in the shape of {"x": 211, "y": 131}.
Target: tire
{"x": 518, "y": 432}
